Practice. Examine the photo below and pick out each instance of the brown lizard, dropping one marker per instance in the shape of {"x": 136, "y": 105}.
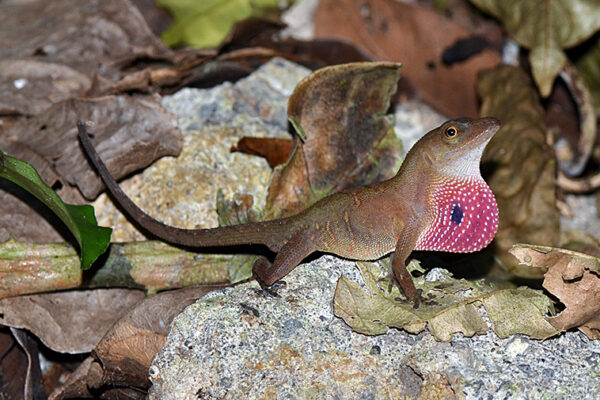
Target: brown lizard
{"x": 437, "y": 201}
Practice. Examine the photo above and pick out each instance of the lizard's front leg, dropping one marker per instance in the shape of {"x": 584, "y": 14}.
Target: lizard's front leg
{"x": 405, "y": 245}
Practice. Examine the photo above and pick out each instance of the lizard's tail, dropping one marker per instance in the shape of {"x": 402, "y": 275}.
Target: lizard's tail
{"x": 268, "y": 233}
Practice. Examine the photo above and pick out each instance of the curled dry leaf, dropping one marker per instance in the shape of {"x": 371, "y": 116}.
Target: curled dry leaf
{"x": 574, "y": 278}
{"x": 589, "y": 68}
{"x": 575, "y": 165}
{"x": 134, "y": 340}
{"x": 521, "y": 166}
{"x": 450, "y": 306}
{"x": 346, "y": 140}
{"x": 417, "y": 36}
{"x": 16, "y": 366}
{"x": 546, "y": 27}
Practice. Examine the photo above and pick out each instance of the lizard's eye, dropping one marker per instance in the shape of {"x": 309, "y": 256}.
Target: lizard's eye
{"x": 451, "y": 131}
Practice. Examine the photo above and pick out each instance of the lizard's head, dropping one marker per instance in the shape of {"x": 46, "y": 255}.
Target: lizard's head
{"x": 455, "y": 148}
{"x": 465, "y": 213}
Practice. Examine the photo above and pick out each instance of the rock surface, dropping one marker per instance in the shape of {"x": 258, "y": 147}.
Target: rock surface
{"x": 238, "y": 343}
{"x": 182, "y": 191}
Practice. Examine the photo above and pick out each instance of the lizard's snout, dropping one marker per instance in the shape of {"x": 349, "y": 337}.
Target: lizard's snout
{"x": 492, "y": 123}
{"x": 488, "y": 127}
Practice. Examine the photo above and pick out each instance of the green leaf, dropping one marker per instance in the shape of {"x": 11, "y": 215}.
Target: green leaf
{"x": 546, "y": 27}
{"x": 80, "y": 220}
{"x": 519, "y": 311}
{"x": 206, "y": 23}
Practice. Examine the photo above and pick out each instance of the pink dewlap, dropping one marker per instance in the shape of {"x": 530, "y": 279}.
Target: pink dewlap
{"x": 466, "y": 217}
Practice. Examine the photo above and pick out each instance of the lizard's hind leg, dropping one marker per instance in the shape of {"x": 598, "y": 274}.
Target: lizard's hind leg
{"x": 290, "y": 255}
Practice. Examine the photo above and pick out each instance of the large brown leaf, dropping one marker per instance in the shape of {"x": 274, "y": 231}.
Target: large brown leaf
{"x": 345, "y": 139}
{"x": 69, "y": 322}
{"x": 522, "y": 166}
{"x": 124, "y": 354}
{"x": 415, "y": 35}
{"x": 123, "y": 125}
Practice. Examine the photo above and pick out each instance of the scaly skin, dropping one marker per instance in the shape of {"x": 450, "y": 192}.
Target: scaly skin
{"x": 437, "y": 201}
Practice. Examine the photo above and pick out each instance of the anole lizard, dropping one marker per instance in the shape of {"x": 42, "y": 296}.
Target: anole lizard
{"x": 437, "y": 201}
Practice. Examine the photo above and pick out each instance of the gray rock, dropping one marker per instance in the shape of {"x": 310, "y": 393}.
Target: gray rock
{"x": 239, "y": 343}
{"x": 585, "y": 214}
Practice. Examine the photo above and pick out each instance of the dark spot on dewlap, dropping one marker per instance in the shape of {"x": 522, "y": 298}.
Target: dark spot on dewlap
{"x": 457, "y": 214}
{"x": 466, "y": 217}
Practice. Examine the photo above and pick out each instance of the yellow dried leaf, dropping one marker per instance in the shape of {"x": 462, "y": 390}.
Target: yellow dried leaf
{"x": 450, "y": 306}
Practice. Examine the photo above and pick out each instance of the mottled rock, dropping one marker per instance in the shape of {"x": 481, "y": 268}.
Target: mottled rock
{"x": 239, "y": 343}
{"x": 182, "y": 191}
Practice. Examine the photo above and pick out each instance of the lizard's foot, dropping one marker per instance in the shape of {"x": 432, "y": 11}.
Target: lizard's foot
{"x": 270, "y": 291}
{"x": 407, "y": 287}
{"x": 260, "y": 268}
{"x": 410, "y": 291}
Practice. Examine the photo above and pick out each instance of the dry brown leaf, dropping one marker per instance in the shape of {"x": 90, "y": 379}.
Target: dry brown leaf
{"x": 580, "y": 156}
{"x": 25, "y": 218}
{"x": 73, "y": 33}
{"x": 123, "y": 125}
{"x": 574, "y": 278}
{"x": 275, "y": 150}
{"x": 29, "y": 87}
{"x": 521, "y": 166}
{"x": 19, "y": 365}
{"x": 75, "y": 386}
{"x": 416, "y": 36}
{"x": 69, "y": 322}
{"x": 339, "y": 115}
{"x": 134, "y": 340}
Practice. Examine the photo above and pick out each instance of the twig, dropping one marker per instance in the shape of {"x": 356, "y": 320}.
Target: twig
{"x": 581, "y": 185}
{"x": 27, "y": 268}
